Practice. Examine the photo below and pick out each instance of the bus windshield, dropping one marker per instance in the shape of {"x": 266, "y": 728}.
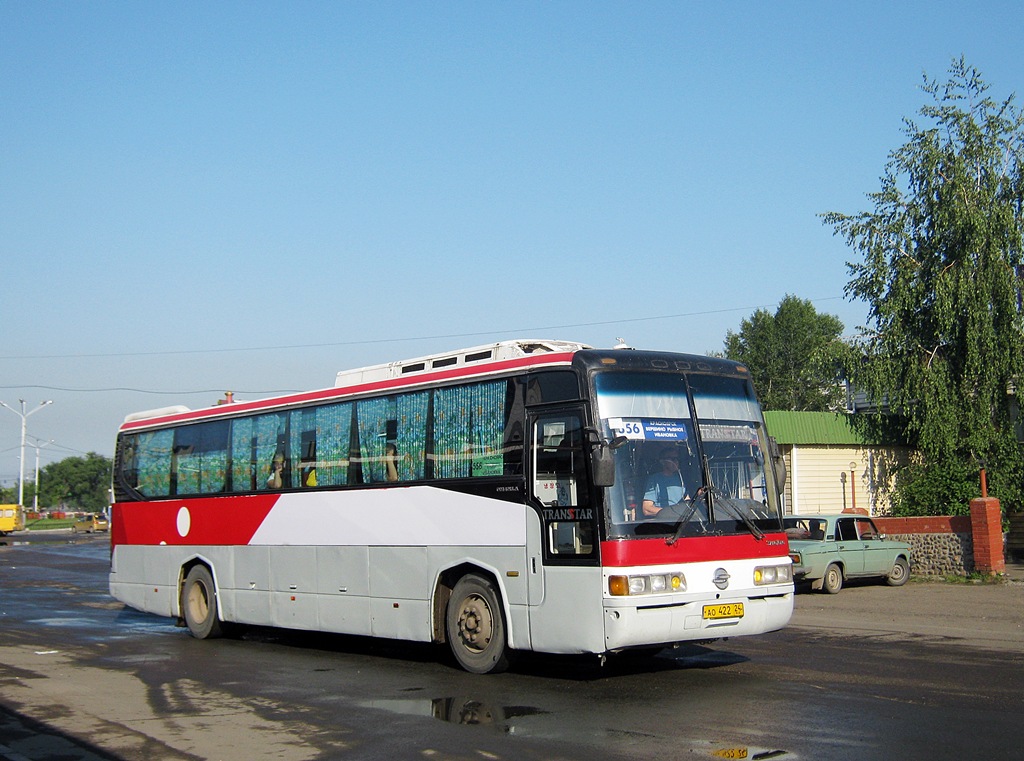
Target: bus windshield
{"x": 695, "y": 461}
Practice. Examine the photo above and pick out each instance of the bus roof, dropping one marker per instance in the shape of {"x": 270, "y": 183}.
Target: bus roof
{"x": 463, "y": 363}
{"x": 459, "y": 358}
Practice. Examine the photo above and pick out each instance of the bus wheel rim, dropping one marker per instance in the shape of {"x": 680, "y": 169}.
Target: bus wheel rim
{"x": 475, "y": 623}
{"x": 198, "y": 602}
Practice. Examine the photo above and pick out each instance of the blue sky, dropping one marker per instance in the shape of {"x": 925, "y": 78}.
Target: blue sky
{"x": 252, "y": 196}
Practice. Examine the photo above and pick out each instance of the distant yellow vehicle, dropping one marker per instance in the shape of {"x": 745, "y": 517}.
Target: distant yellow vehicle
{"x": 91, "y": 523}
{"x": 12, "y": 518}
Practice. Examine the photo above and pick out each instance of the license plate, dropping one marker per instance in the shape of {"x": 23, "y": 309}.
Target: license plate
{"x": 724, "y": 610}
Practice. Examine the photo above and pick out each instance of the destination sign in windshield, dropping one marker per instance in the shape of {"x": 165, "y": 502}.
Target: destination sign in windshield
{"x": 649, "y": 429}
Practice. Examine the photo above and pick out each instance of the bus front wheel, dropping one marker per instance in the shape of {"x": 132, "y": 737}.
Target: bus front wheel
{"x": 475, "y": 626}
{"x": 199, "y": 604}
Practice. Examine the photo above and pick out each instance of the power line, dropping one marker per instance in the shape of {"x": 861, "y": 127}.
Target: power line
{"x": 375, "y": 341}
{"x": 147, "y": 391}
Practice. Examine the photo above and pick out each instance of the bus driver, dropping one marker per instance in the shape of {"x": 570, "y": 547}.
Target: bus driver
{"x": 664, "y": 488}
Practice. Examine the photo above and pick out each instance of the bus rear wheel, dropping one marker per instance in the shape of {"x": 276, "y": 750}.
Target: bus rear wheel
{"x": 475, "y": 626}
{"x": 199, "y": 604}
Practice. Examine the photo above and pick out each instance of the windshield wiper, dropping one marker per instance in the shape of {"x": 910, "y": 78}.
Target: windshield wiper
{"x": 737, "y": 512}
{"x": 680, "y": 525}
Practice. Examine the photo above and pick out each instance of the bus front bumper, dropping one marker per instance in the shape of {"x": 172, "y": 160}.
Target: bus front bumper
{"x": 641, "y": 625}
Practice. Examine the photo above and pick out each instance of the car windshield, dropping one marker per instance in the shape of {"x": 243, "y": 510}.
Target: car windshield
{"x": 805, "y": 528}
{"x": 695, "y": 456}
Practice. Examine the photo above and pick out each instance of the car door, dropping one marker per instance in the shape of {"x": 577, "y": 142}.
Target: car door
{"x": 850, "y": 546}
{"x": 877, "y": 556}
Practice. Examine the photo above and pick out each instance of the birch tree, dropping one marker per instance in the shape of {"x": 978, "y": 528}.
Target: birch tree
{"x": 940, "y": 270}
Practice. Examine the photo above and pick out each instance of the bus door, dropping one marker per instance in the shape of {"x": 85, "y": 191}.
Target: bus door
{"x": 560, "y": 485}
{"x": 568, "y": 575}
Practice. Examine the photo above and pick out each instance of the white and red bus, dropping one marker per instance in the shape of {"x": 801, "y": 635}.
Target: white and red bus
{"x": 494, "y": 498}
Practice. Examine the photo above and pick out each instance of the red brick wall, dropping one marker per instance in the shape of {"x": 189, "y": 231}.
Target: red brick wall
{"x": 926, "y": 524}
{"x": 984, "y": 524}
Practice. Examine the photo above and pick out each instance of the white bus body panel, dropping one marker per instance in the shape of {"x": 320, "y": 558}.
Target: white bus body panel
{"x": 363, "y": 562}
{"x": 367, "y": 562}
{"x": 570, "y": 618}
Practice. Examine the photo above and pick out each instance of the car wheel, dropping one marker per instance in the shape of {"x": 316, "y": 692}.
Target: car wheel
{"x": 833, "y": 579}
{"x": 899, "y": 574}
{"x": 199, "y": 604}
{"x": 475, "y": 626}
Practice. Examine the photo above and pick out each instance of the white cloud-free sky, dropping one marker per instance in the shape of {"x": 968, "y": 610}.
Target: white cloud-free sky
{"x": 200, "y": 197}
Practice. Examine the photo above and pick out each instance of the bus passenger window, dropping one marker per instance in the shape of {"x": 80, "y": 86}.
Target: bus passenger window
{"x": 307, "y": 463}
{"x": 390, "y": 462}
{"x": 270, "y": 444}
{"x": 154, "y": 463}
{"x": 277, "y": 478}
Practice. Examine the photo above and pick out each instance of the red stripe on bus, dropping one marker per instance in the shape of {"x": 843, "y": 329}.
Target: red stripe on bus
{"x": 205, "y": 521}
{"x": 391, "y": 384}
{"x": 691, "y": 549}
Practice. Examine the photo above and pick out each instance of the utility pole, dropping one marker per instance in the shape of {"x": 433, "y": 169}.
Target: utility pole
{"x": 24, "y": 416}
{"x": 35, "y": 491}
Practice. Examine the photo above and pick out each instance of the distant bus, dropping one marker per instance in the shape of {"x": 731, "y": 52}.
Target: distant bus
{"x": 12, "y": 518}
{"x": 495, "y": 498}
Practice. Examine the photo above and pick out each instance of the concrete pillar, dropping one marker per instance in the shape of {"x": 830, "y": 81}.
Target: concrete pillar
{"x": 987, "y": 533}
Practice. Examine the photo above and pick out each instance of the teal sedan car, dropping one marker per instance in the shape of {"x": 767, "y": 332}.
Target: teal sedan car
{"x": 829, "y": 549}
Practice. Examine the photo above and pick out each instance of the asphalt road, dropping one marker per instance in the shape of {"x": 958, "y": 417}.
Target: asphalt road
{"x": 931, "y": 670}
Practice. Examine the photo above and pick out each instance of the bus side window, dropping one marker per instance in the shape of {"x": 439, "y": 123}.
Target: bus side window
{"x": 154, "y": 458}
{"x": 271, "y": 445}
{"x": 557, "y": 461}
{"x": 308, "y": 461}
{"x": 303, "y": 447}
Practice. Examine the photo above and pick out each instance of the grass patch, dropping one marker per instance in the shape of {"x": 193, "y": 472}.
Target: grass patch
{"x": 973, "y": 578}
{"x": 49, "y": 523}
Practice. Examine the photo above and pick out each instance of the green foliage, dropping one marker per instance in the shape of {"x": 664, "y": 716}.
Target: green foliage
{"x": 930, "y": 490}
{"x": 78, "y": 483}
{"x": 791, "y": 356}
{"x": 941, "y": 274}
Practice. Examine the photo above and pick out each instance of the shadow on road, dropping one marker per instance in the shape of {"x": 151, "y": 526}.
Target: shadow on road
{"x": 25, "y": 738}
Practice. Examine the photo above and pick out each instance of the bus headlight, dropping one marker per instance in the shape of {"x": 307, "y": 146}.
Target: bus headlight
{"x": 646, "y": 584}
{"x": 773, "y": 574}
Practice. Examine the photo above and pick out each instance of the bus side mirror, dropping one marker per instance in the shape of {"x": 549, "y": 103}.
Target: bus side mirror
{"x": 778, "y": 461}
{"x": 603, "y": 461}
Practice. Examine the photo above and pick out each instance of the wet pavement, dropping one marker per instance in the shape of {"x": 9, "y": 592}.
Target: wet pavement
{"x": 880, "y": 616}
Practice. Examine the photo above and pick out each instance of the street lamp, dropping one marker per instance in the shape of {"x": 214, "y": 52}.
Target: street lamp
{"x": 35, "y": 491}
{"x": 24, "y": 416}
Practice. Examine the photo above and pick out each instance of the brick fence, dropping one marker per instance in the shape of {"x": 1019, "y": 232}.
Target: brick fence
{"x": 952, "y": 545}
